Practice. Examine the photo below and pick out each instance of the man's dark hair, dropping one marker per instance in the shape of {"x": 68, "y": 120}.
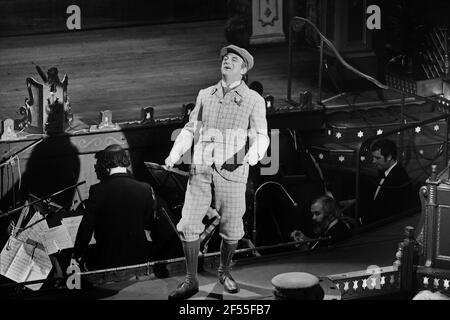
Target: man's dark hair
{"x": 113, "y": 156}
{"x": 100, "y": 169}
{"x": 328, "y": 205}
{"x": 257, "y": 86}
{"x": 386, "y": 147}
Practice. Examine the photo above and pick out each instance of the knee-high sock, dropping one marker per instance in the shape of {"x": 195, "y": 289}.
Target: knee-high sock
{"x": 227, "y": 249}
{"x": 191, "y": 250}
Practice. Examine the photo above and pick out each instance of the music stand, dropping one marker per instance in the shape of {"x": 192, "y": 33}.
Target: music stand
{"x": 170, "y": 184}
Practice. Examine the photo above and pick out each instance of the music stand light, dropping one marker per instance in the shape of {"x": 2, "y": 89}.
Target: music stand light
{"x": 270, "y": 105}
{"x": 105, "y": 122}
{"x": 8, "y": 130}
{"x": 147, "y": 115}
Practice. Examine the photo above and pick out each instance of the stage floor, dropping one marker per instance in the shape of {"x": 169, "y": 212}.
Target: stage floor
{"x": 125, "y": 69}
{"x": 374, "y": 248}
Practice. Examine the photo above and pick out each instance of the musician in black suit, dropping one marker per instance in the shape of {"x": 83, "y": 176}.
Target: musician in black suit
{"x": 328, "y": 222}
{"x": 394, "y": 193}
{"x": 118, "y": 211}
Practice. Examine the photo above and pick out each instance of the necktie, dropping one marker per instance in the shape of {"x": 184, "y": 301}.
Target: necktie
{"x": 225, "y": 90}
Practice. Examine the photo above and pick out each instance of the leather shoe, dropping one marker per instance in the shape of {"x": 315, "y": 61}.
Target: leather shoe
{"x": 229, "y": 284}
{"x": 185, "y": 290}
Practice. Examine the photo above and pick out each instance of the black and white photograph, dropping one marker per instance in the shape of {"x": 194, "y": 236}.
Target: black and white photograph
{"x": 224, "y": 159}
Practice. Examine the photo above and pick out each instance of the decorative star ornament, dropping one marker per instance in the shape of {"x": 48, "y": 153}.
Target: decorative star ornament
{"x": 346, "y": 286}
{"x": 321, "y": 156}
{"x": 364, "y": 284}
{"x": 341, "y": 158}
{"x": 338, "y": 135}
{"x": 355, "y": 285}
{"x": 379, "y": 131}
{"x": 360, "y": 134}
{"x": 436, "y": 127}
{"x": 363, "y": 158}
{"x": 446, "y": 284}
{"x": 425, "y": 280}
{"x": 417, "y": 130}
{"x": 436, "y": 282}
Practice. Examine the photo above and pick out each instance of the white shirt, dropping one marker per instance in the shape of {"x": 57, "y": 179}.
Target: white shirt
{"x": 232, "y": 85}
{"x": 117, "y": 170}
{"x": 382, "y": 180}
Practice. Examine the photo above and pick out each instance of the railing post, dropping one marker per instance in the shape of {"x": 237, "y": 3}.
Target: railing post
{"x": 320, "y": 70}
{"x": 289, "y": 84}
{"x": 402, "y": 132}
{"x": 357, "y": 181}
{"x": 430, "y": 218}
{"x": 407, "y": 259}
{"x": 447, "y": 131}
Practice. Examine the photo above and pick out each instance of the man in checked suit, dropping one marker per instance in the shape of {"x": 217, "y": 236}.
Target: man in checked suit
{"x": 225, "y": 116}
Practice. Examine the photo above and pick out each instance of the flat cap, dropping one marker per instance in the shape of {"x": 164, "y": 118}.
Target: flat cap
{"x": 244, "y": 54}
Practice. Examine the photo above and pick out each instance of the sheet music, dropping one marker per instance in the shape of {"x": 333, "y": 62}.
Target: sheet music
{"x": 20, "y": 267}
{"x": 56, "y": 239}
{"x": 72, "y": 224}
{"x": 33, "y": 233}
{"x": 8, "y": 253}
{"x": 22, "y": 262}
{"x": 40, "y": 267}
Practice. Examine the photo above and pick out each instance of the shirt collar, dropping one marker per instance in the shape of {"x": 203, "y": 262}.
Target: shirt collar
{"x": 240, "y": 89}
{"x": 117, "y": 170}
{"x": 331, "y": 225}
{"x": 389, "y": 169}
{"x": 231, "y": 86}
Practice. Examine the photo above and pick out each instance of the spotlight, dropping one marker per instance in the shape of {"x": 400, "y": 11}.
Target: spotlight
{"x": 147, "y": 114}
{"x": 105, "y": 119}
{"x": 8, "y": 130}
{"x": 269, "y": 102}
{"x": 105, "y": 122}
{"x": 186, "y": 110}
{"x": 305, "y": 101}
{"x": 446, "y": 88}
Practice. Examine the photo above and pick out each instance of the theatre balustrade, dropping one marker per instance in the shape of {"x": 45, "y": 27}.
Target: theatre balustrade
{"x": 422, "y": 261}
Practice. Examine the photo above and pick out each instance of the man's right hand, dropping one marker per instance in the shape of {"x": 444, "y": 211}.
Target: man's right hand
{"x": 168, "y": 162}
{"x": 171, "y": 160}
